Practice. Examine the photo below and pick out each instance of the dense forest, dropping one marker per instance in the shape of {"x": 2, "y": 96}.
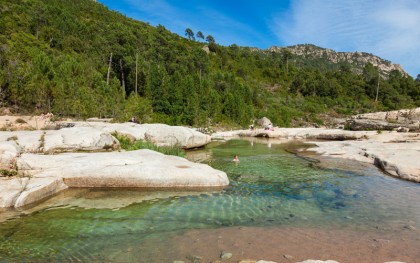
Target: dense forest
{"x": 79, "y": 59}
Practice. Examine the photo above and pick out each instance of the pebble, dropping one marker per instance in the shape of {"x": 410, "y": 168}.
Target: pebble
{"x": 318, "y": 261}
{"x": 195, "y": 259}
{"x": 288, "y": 256}
{"x": 225, "y": 255}
{"x": 410, "y": 227}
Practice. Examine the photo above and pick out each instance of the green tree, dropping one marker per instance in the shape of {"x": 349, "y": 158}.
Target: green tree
{"x": 200, "y": 35}
{"x": 286, "y": 55}
{"x": 210, "y": 39}
{"x": 189, "y": 33}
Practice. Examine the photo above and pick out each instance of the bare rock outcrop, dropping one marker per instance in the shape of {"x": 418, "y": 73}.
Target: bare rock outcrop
{"x": 391, "y": 120}
{"x": 357, "y": 59}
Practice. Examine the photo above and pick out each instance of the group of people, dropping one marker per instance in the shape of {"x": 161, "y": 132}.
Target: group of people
{"x": 134, "y": 120}
{"x": 44, "y": 116}
{"x": 268, "y": 127}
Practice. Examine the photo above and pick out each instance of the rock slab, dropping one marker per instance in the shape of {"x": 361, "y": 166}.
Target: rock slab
{"x": 46, "y": 175}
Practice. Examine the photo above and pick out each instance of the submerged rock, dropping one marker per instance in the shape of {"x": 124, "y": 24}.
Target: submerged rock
{"x": 225, "y": 255}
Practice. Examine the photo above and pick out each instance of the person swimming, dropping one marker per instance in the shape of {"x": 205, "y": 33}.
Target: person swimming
{"x": 235, "y": 159}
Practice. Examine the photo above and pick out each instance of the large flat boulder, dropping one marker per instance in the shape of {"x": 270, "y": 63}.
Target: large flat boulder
{"x": 77, "y": 139}
{"x": 44, "y": 175}
{"x": 141, "y": 168}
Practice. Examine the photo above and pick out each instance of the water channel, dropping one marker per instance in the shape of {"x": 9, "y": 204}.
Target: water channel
{"x": 270, "y": 188}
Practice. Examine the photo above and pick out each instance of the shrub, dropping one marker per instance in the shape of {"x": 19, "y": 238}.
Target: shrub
{"x": 7, "y": 173}
{"x": 21, "y": 121}
{"x": 131, "y": 145}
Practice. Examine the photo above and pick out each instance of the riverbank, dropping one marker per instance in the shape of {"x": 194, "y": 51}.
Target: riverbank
{"x": 288, "y": 204}
{"x": 37, "y": 164}
{"x": 393, "y": 152}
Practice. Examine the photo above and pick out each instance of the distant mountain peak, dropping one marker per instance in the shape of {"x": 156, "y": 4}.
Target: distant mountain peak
{"x": 357, "y": 59}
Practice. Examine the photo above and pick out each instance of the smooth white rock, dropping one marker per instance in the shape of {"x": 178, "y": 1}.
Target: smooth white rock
{"x": 10, "y": 189}
{"x": 49, "y": 174}
{"x": 39, "y": 188}
{"x": 398, "y": 159}
{"x": 298, "y": 133}
{"x": 29, "y": 141}
{"x": 77, "y": 138}
{"x": 141, "y": 168}
{"x": 165, "y": 135}
{"x": 9, "y": 151}
{"x": 159, "y": 134}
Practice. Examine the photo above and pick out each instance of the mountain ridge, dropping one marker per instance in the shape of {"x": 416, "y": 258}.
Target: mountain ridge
{"x": 356, "y": 59}
{"x": 78, "y": 58}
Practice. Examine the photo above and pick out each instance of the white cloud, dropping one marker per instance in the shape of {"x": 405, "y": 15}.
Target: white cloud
{"x": 387, "y": 28}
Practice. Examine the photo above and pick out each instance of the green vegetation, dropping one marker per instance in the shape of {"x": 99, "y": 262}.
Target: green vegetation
{"x": 7, "y": 173}
{"x": 13, "y": 138}
{"x": 131, "y": 145}
{"x": 79, "y": 59}
{"x": 21, "y": 121}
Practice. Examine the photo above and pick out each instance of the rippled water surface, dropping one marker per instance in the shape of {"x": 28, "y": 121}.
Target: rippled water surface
{"x": 269, "y": 187}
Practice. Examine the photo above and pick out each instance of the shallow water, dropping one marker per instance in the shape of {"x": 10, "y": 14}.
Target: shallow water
{"x": 269, "y": 188}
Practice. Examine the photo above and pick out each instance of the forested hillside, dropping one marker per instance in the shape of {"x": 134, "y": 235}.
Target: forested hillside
{"x": 77, "y": 58}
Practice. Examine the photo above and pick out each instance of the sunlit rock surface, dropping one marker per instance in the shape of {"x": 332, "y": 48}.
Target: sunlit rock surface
{"x": 45, "y": 175}
{"x": 159, "y": 134}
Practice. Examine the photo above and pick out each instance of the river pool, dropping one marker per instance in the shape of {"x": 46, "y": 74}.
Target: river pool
{"x": 272, "y": 193}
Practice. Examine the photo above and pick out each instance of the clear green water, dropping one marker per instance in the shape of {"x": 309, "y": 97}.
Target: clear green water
{"x": 269, "y": 187}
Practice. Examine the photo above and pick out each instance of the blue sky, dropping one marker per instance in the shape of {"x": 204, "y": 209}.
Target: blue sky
{"x": 389, "y": 29}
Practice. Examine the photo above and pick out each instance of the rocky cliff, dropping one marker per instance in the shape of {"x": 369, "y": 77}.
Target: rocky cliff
{"x": 357, "y": 60}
